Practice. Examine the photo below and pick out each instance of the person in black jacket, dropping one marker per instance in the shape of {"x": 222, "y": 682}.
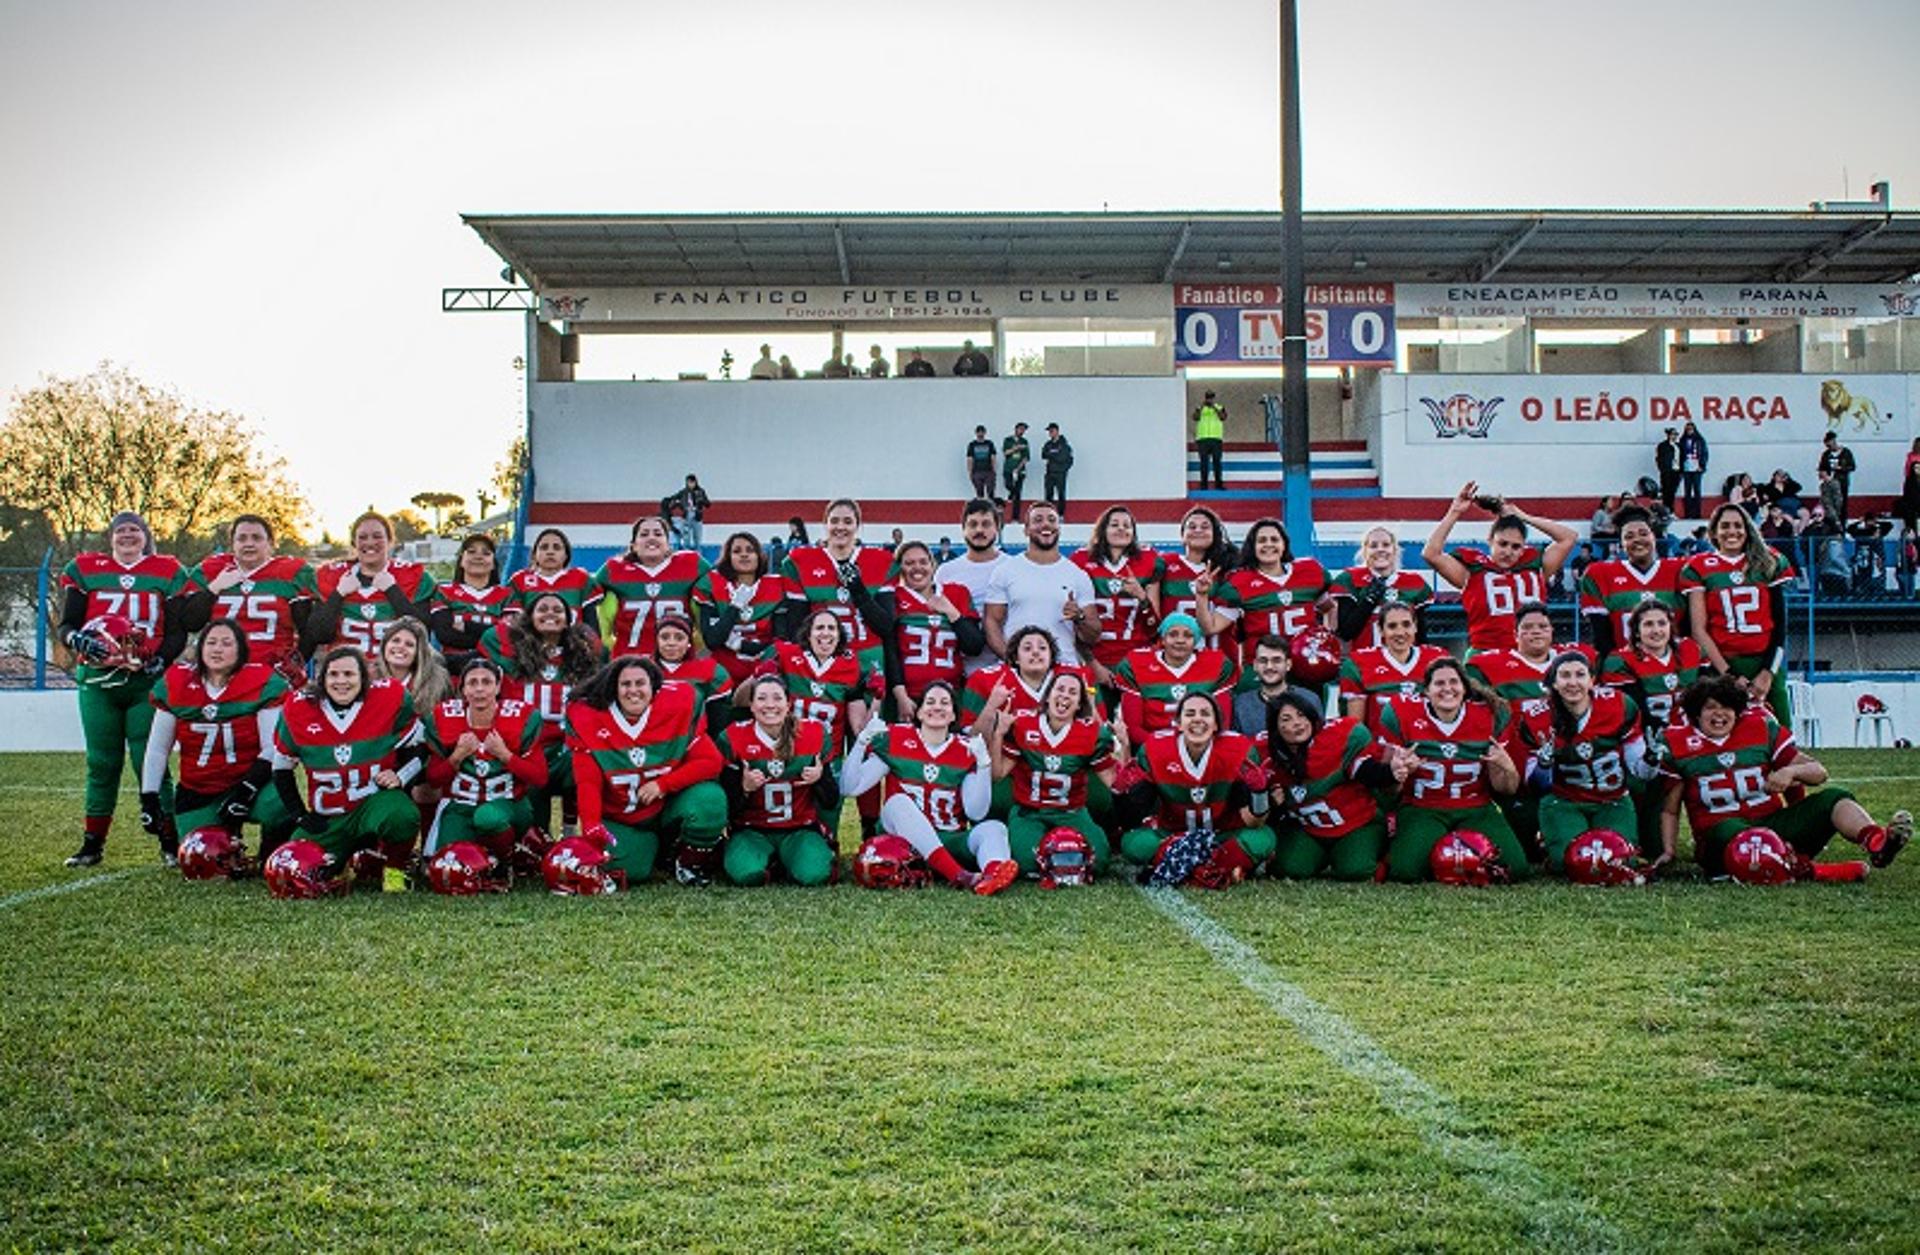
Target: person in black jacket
{"x": 1837, "y": 460}
{"x": 1666, "y": 460}
{"x": 1057, "y": 455}
{"x": 971, "y": 361}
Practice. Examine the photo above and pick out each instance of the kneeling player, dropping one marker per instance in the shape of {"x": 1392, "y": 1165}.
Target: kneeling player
{"x": 1586, "y": 749}
{"x": 1323, "y": 773}
{"x": 938, "y": 787}
{"x": 1734, "y": 767}
{"x": 1050, "y": 754}
{"x": 778, "y": 787}
{"x": 489, "y": 756}
{"x": 1200, "y": 792}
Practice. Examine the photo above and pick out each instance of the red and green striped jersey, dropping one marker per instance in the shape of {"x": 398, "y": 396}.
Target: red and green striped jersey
{"x": 638, "y": 596}
{"x": 1192, "y": 793}
{"x": 1510, "y": 673}
{"x": 752, "y": 630}
{"x": 261, "y": 603}
{"x": 928, "y": 648}
{"x": 1323, "y": 795}
{"x": 474, "y": 609}
{"x": 1263, "y": 604}
{"x": 631, "y": 752}
{"x": 1727, "y": 779}
{"x": 1050, "y": 765}
{"x": 535, "y": 681}
{"x": 1022, "y": 697}
{"x": 343, "y": 750}
{"x": 813, "y": 574}
{"x": 572, "y": 585}
{"x": 1739, "y": 612}
{"x": 1452, "y": 773}
{"x": 1161, "y": 688}
{"x": 1177, "y": 577}
{"x": 929, "y": 778}
{"x": 367, "y": 617}
{"x": 1493, "y": 595}
{"x": 1620, "y": 588}
{"x": 1373, "y": 674}
{"x": 782, "y": 803}
{"x": 703, "y": 671}
{"x": 478, "y": 778}
{"x": 218, "y": 733}
{"x": 1406, "y": 588}
{"x": 1593, "y": 767}
{"x": 822, "y": 688}
{"x": 1654, "y": 683}
{"x": 137, "y": 592}
{"x": 1126, "y": 623}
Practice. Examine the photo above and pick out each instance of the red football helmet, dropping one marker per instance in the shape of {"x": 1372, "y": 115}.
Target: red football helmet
{"x": 1065, "y": 857}
{"x": 1315, "y": 657}
{"x": 889, "y": 862}
{"x": 463, "y": 870}
{"x": 1758, "y": 856}
{"x": 301, "y": 869}
{"x": 131, "y": 646}
{"x": 1870, "y": 705}
{"x": 530, "y": 850}
{"x": 576, "y": 866}
{"x": 1601, "y": 856}
{"x": 1466, "y": 857}
{"x": 211, "y": 854}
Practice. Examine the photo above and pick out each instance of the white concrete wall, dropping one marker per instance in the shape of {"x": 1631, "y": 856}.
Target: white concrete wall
{"x": 38, "y": 721}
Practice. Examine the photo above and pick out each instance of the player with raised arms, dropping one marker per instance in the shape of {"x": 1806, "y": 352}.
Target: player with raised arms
{"x": 779, "y": 787}
{"x": 1194, "y": 797}
{"x": 1737, "y": 606}
{"x": 362, "y": 597}
{"x": 1374, "y": 675}
{"x": 269, "y": 595}
{"x": 935, "y": 629}
{"x": 738, "y": 603}
{"x": 636, "y": 589}
{"x": 1126, "y": 588}
{"x": 1052, "y": 755}
{"x": 122, "y": 615}
{"x": 1363, "y": 593}
{"x": 551, "y": 570}
{"x": 1270, "y": 593}
{"x": 936, "y": 787}
{"x": 221, "y": 708}
{"x": 463, "y": 609}
{"x": 1495, "y": 582}
{"x": 1323, "y": 774}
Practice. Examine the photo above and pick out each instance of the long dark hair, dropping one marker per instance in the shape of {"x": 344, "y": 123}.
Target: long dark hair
{"x": 952, "y": 697}
{"x": 1220, "y": 555}
{"x": 316, "y": 688}
{"x": 1566, "y": 724}
{"x": 789, "y": 726}
{"x": 1292, "y": 757}
{"x": 1761, "y": 565}
{"x": 602, "y": 692}
{"x": 1249, "y": 561}
{"x": 803, "y": 634}
{"x": 1085, "y": 710}
{"x": 1477, "y": 690}
{"x": 725, "y": 564}
{"x": 1097, "y": 543}
{"x": 579, "y": 647}
{"x": 241, "y": 652}
{"x": 1639, "y": 616}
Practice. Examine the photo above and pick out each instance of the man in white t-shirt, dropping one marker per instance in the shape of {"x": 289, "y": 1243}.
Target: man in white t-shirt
{"x": 1040, "y": 586}
{"x": 980, "y": 528}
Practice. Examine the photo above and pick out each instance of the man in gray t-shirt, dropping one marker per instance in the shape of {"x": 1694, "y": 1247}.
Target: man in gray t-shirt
{"x": 1040, "y": 586}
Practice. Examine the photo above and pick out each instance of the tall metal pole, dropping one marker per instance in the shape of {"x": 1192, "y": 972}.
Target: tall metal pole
{"x": 1294, "y": 448}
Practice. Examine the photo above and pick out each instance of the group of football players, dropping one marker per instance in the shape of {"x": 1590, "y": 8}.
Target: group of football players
{"x": 1240, "y": 711}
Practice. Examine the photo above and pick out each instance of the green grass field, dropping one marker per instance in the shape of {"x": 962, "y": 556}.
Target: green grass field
{"x": 1689, "y": 1066}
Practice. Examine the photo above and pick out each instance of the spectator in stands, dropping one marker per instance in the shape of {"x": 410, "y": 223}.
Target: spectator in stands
{"x": 766, "y": 367}
{"x": 1569, "y": 579}
{"x": 797, "y": 532}
{"x": 1783, "y": 490}
{"x": 1666, "y": 460}
{"x": 1210, "y": 438}
{"x": 787, "y": 368}
{"x": 836, "y": 368}
{"x": 971, "y": 362}
{"x": 1057, "y": 455}
{"x": 1696, "y": 543}
{"x": 897, "y": 539}
{"x": 877, "y": 365}
{"x": 1837, "y": 460}
{"x": 1909, "y": 504}
{"x": 689, "y": 505}
{"x": 917, "y": 367}
{"x": 1604, "y": 530}
{"x": 981, "y": 457}
{"x": 1775, "y": 525}
{"x": 1833, "y": 496}
{"x": 1693, "y": 468}
{"x": 1739, "y": 490}
{"x": 1015, "y": 453}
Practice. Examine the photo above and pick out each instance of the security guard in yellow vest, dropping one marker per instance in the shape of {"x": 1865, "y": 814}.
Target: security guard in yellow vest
{"x": 1210, "y": 436}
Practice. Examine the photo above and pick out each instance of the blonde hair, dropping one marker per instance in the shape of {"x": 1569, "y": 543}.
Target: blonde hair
{"x": 429, "y": 685}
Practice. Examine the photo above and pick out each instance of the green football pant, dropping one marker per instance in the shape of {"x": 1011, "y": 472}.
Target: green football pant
{"x": 696, "y": 815}
{"x": 1355, "y": 856}
{"x": 115, "y": 720}
{"x": 388, "y": 818}
{"x": 1026, "y": 827}
{"x": 1140, "y": 844}
{"x": 1417, "y": 828}
{"x": 484, "y": 824}
{"x": 804, "y": 854}
{"x": 1562, "y": 821}
{"x": 268, "y": 811}
{"x": 1807, "y": 826}
{"x": 1747, "y": 666}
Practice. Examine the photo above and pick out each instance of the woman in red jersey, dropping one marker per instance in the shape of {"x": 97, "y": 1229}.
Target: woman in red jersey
{"x": 271, "y": 597}
{"x": 1494, "y": 583}
{"x": 362, "y": 597}
{"x": 778, "y": 790}
{"x": 1269, "y": 593}
{"x": 552, "y": 571}
{"x": 737, "y": 604}
{"x": 467, "y": 606}
{"x": 647, "y": 582}
{"x": 1126, "y": 588}
{"x": 935, "y": 629}
{"x": 1364, "y": 593}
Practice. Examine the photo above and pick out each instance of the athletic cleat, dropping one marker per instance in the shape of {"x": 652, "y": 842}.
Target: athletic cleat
{"x": 996, "y": 876}
{"x": 169, "y": 858}
{"x": 88, "y": 855}
{"x": 691, "y": 876}
{"x": 1892, "y": 839}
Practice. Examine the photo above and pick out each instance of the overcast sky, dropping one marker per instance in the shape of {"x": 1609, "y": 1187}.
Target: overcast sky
{"x": 257, "y": 203}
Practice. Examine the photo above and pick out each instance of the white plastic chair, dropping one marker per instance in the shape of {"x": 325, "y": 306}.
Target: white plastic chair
{"x": 1806, "y": 720}
{"x": 1880, "y": 724}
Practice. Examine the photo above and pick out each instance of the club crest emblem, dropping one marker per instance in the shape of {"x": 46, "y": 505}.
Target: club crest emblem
{"x": 1584, "y": 749}
{"x": 1449, "y": 750}
{"x": 1725, "y": 760}
{"x": 1738, "y": 577}
{"x": 1113, "y": 586}
{"x": 1197, "y": 794}
{"x": 126, "y": 581}
{"x": 819, "y": 689}
{"x": 931, "y": 771}
{"x": 210, "y": 710}
{"x": 776, "y": 768}
{"x": 483, "y": 768}
{"x": 369, "y": 610}
{"x": 246, "y": 586}
{"x": 1298, "y": 793}
{"x": 1286, "y": 598}
{"x": 549, "y": 672}
{"x": 653, "y": 590}
{"x": 343, "y": 754}
{"x": 637, "y": 756}
{"x": 1670, "y": 681}
{"x": 842, "y": 596}
{"x": 1409, "y": 689}
{"x": 1461, "y": 414}
{"x": 1178, "y": 691}
{"x": 1053, "y": 762}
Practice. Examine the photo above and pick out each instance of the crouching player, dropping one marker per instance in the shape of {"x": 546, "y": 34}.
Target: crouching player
{"x": 1050, "y": 753}
{"x": 644, "y": 773}
{"x": 360, "y": 745}
{"x": 1323, "y": 774}
{"x": 1585, "y": 750}
{"x": 488, "y": 757}
{"x": 221, "y": 708}
{"x": 938, "y": 787}
{"x": 1735, "y": 767}
{"x": 778, "y": 787}
{"x": 1200, "y": 792}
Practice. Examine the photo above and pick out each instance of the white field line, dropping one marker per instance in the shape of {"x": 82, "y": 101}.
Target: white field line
{"x": 68, "y": 886}
{"x": 1555, "y": 1218}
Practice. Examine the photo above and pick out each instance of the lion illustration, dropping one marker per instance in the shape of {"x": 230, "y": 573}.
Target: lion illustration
{"x": 1841, "y": 405}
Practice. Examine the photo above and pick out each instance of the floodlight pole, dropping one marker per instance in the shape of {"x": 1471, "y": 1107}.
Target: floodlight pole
{"x": 1295, "y": 451}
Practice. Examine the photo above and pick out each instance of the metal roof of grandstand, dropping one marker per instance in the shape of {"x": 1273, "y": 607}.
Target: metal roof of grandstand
{"x": 560, "y": 251}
